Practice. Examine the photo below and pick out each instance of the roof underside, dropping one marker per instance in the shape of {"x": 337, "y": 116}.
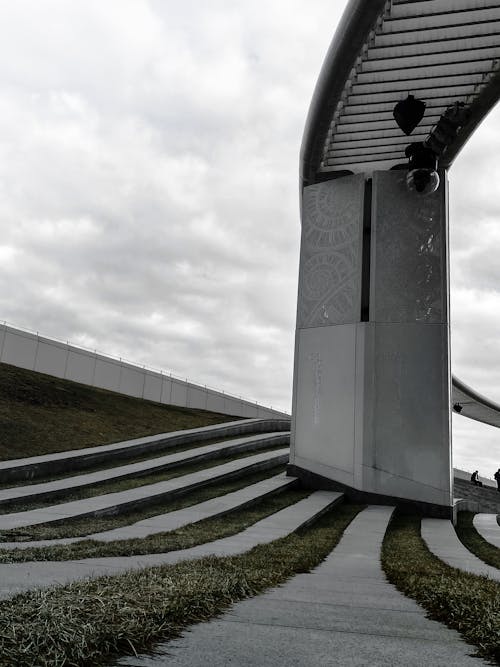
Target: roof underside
{"x": 440, "y": 51}
{"x": 474, "y": 405}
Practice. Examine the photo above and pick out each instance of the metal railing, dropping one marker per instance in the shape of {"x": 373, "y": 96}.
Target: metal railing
{"x": 145, "y": 367}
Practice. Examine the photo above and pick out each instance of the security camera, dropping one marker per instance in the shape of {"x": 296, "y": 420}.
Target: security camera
{"x": 422, "y": 169}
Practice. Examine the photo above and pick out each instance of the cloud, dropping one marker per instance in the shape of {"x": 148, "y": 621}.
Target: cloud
{"x": 149, "y": 188}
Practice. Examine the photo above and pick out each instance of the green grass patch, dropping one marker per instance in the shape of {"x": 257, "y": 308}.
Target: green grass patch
{"x": 40, "y": 414}
{"x": 463, "y": 601}
{"x": 89, "y": 622}
{"x": 182, "y": 538}
{"x": 471, "y": 539}
{"x": 124, "y": 484}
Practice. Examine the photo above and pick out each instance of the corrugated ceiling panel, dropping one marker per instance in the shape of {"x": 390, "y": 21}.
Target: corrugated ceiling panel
{"x": 441, "y": 51}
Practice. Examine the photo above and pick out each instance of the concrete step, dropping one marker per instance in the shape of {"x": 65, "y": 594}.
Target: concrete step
{"x": 168, "y": 521}
{"x": 17, "y": 577}
{"x": 122, "y": 501}
{"x": 442, "y": 540}
{"x": 62, "y": 487}
{"x": 487, "y": 526}
{"x": 342, "y": 613}
{"x": 34, "y": 467}
{"x": 477, "y": 498}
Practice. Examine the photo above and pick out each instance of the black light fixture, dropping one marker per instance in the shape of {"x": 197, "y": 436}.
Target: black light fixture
{"x": 408, "y": 113}
{"x": 444, "y": 133}
{"x": 422, "y": 168}
{"x": 458, "y": 408}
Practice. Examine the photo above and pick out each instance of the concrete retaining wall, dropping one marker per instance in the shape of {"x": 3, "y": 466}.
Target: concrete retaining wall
{"x": 45, "y": 355}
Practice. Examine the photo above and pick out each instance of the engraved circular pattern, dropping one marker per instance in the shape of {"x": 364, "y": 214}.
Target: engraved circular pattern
{"x": 323, "y": 273}
{"x": 332, "y": 218}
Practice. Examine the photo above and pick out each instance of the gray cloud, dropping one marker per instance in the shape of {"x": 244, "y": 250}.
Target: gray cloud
{"x": 149, "y": 195}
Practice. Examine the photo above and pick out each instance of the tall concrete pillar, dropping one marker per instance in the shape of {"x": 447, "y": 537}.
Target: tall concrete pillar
{"x": 371, "y": 404}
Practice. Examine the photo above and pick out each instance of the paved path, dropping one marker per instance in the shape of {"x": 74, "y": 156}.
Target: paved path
{"x": 141, "y": 495}
{"x": 487, "y": 526}
{"x": 27, "y": 468}
{"x": 344, "y": 613}
{"x": 150, "y": 466}
{"x": 442, "y": 540}
{"x": 167, "y": 521}
{"x": 19, "y": 577}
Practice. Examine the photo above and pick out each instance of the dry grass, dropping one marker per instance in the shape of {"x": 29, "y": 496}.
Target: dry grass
{"x": 88, "y": 525}
{"x": 471, "y": 539}
{"x": 181, "y": 538}
{"x": 40, "y": 414}
{"x": 464, "y": 602}
{"x": 87, "y": 623}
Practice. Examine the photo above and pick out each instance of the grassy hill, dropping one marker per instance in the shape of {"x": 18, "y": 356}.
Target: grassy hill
{"x": 41, "y": 414}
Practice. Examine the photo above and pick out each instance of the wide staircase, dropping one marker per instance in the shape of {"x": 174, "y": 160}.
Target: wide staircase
{"x": 117, "y": 508}
{"x": 477, "y": 498}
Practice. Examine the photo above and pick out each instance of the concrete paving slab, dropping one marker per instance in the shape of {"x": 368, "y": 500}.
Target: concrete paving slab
{"x": 112, "y": 503}
{"x": 487, "y": 526}
{"x": 59, "y": 487}
{"x": 222, "y": 643}
{"x": 442, "y": 540}
{"x": 333, "y": 616}
{"x": 37, "y": 466}
{"x": 320, "y": 619}
{"x": 173, "y": 520}
{"x": 17, "y": 577}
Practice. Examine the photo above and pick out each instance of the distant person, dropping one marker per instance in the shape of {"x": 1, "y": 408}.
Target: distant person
{"x": 474, "y": 478}
{"x": 497, "y": 477}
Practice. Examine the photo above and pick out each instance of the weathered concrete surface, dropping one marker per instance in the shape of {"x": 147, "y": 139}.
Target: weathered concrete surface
{"x": 344, "y": 613}
{"x": 173, "y": 520}
{"x": 442, "y": 540}
{"x": 60, "y": 487}
{"x": 487, "y": 526}
{"x": 113, "y": 503}
{"x": 19, "y": 577}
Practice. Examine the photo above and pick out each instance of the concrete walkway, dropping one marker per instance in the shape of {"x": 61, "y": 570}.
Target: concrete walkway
{"x": 18, "y": 577}
{"x": 150, "y": 466}
{"x": 49, "y": 464}
{"x": 487, "y": 526}
{"x": 442, "y": 540}
{"x": 141, "y": 495}
{"x": 344, "y": 613}
{"x": 167, "y": 521}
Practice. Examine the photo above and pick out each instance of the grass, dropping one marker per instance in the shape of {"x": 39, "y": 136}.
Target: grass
{"x": 463, "y": 601}
{"x": 123, "y": 484}
{"x": 182, "y": 538}
{"x": 162, "y": 450}
{"x": 89, "y": 622}
{"x": 40, "y": 414}
{"x": 88, "y": 525}
{"x": 473, "y": 541}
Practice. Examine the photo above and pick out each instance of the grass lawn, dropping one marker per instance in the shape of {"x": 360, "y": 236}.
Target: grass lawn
{"x": 471, "y": 539}
{"x": 40, "y": 414}
{"x": 182, "y": 538}
{"x": 88, "y": 525}
{"x": 117, "y": 485}
{"x": 87, "y": 622}
{"x": 465, "y": 602}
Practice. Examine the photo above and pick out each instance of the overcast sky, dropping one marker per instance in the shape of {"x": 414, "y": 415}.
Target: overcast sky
{"x": 149, "y": 191}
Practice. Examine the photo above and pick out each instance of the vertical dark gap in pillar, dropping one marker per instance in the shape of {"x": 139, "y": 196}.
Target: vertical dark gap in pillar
{"x": 365, "y": 261}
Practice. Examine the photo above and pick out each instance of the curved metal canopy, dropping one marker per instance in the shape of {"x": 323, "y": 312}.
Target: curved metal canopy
{"x": 443, "y": 52}
{"x": 474, "y": 405}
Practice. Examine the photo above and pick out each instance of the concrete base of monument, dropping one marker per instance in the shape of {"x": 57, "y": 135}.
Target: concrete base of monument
{"x": 311, "y": 480}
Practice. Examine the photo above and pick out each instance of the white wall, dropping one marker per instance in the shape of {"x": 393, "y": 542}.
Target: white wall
{"x": 45, "y": 355}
